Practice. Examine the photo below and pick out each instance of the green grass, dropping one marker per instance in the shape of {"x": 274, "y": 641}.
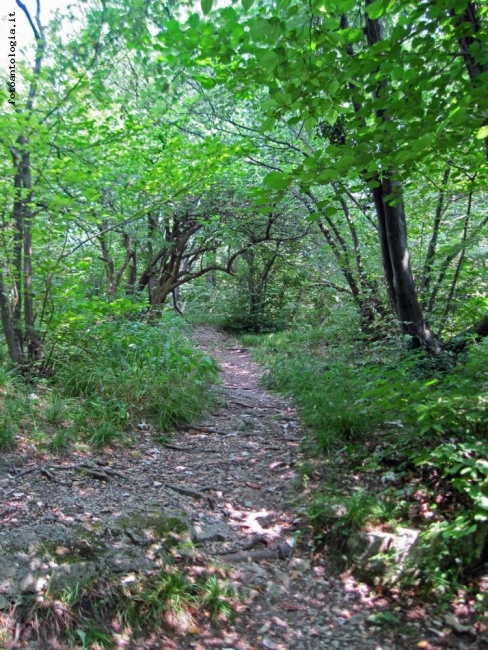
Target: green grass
{"x": 378, "y": 413}
{"x": 91, "y": 613}
{"x": 17, "y": 408}
{"x": 126, "y": 372}
{"x": 324, "y": 381}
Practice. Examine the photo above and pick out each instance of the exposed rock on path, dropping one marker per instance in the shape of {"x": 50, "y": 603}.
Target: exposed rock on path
{"x": 225, "y": 484}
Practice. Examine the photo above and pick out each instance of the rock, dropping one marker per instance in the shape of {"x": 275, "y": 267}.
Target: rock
{"x": 452, "y": 621}
{"x": 269, "y": 643}
{"x": 274, "y": 590}
{"x": 381, "y": 557}
{"x": 356, "y": 619}
{"x": 7, "y": 574}
{"x": 210, "y": 532}
{"x": 123, "y": 562}
{"x": 67, "y": 576}
{"x": 135, "y": 538}
{"x": 28, "y": 584}
{"x": 282, "y": 576}
{"x": 170, "y": 528}
{"x": 300, "y": 565}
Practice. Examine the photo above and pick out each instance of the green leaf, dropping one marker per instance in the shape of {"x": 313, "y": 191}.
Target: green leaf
{"x": 206, "y": 6}
{"x": 259, "y": 29}
{"x": 267, "y": 125}
{"x": 247, "y": 4}
{"x": 423, "y": 142}
{"x": 331, "y": 116}
{"x": 482, "y": 133}
{"x": 268, "y": 59}
{"x": 333, "y": 88}
{"x": 376, "y": 9}
{"x": 276, "y": 181}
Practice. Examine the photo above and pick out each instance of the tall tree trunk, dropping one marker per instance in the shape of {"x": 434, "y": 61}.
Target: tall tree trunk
{"x": 473, "y": 46}
{"x": 432, "y": 248}
{"x": 14, "y": 349}
{"x": 388, "y": 197}
{"x": 17, "y": 305}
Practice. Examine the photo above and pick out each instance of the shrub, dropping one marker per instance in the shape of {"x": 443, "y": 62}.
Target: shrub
{"x": 129, "y": 372}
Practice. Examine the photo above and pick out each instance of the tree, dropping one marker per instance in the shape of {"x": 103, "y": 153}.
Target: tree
{"x": 16, "y": 301}
{"x": 369, "y": 80}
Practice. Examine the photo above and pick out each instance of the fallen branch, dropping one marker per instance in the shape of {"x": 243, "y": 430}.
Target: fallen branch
{"x": 191, "y": 493}
{"x": 259, "y": 539}
{"x": 45, "y": 472}
{"x": 176, "y": 448}
{"x": 194, "y": 427}
{"x": 189, "y": 450}
{"x": 85, "y": 466}
{"x": 282, "y": 552}
{"x": 114, "y": 472}
{"x": 26, "y": 471}
{"x": 94, "y": 473}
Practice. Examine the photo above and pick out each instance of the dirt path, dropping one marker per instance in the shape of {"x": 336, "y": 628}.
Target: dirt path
{"x": 294, "y": 602}
{"x": 232, "y": 476}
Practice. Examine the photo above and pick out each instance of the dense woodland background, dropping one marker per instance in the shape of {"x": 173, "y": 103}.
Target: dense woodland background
{"x": 312, "y": 176}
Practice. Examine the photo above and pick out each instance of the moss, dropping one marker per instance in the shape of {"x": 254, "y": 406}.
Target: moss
{"x": 169, "y": 528}
{"x": 71, "y": 551}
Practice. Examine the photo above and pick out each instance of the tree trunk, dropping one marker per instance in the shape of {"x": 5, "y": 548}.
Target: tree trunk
{"x": 473, "y": 47}
{"x": 388, "y": 198}
{"x": 17, "y": 305}
{"x": 14, "y": 349}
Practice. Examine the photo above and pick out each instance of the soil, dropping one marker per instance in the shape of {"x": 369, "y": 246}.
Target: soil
{"x": 231, "y": 485}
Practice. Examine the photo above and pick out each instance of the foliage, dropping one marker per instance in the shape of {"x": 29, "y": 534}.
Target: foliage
{"x": 340, "y": 515}
{"x": 262, "y": 163}
{"x": 125, "y": 372}
{"x": 439, "y": 397}
{"x": 129, "y": 372}
{"x": 91, "y": 612}
{"x": 466, "y": 466}
{"x": 368, "y": 411}
{"x": 326, "y": 387}
{"x": 17, "y": 410}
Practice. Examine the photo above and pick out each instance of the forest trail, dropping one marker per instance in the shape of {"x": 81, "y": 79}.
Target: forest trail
{"x": 293, "y": 601}
{"x": 230, "y": 480}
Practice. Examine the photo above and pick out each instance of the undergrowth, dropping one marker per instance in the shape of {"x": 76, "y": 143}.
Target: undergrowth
{"x": 402, "y": 438}
{"x": 119, "y": 375}
{"x": 100, "y": 612}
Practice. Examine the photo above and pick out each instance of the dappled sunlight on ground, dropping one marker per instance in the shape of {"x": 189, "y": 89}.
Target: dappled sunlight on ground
{"x": 232, "y": 480}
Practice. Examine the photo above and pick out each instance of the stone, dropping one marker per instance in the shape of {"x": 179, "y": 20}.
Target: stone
{"x": 269, "y": 643}
{"x": 28, "y": 583}
{"x": 274, "y": 590}
{"x": 282, "y": 576}
{"x": 452, "y": 621}
{"x": 135, "y": 538}
{"x": 357, "y": 619}
{"x": 172, "y": 528}
{"x": 67, "y": 576}
{"x": 299, "y": 564}
{"x": 380, "y": 557}
{"x": 210, "y": 532}
{"x": 7, "y": 574}
{"x": 121, "y": 562}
